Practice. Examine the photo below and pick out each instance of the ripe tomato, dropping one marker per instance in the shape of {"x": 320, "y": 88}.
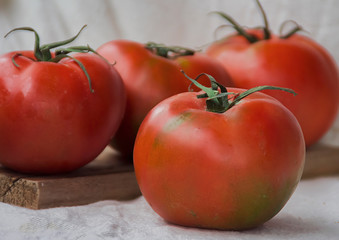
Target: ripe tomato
{"x": 50, "y": 120}
{"x": 224, "y": 170}
{"x": 150, "y": 75}
{"x": 295, "y": 62}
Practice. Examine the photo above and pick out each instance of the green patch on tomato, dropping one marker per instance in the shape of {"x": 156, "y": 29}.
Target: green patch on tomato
{"x": 177, "y": 121}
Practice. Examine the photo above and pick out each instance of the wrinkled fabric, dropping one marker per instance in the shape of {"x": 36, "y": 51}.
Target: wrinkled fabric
{"x": 312, "y": 213}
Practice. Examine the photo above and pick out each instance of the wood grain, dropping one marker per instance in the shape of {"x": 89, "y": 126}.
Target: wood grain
{"x": 105, "y": 178}
{"x": 321, "y": 160}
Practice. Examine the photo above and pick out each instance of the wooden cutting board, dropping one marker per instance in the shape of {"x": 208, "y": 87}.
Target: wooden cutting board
{"x": 108, "y": 178}
{"x": 321, "y": 160}
{"x": 103, "y": 179}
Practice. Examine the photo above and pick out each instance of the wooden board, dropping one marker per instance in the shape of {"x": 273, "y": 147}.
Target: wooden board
{"x": 321, "y": 160}
{"x": 104, "y": 179}
{"x": 108, "y": 178}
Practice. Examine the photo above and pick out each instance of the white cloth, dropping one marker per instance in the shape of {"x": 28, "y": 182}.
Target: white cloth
{"x": 312, "y": 213}
{"x": 186, "y": 23}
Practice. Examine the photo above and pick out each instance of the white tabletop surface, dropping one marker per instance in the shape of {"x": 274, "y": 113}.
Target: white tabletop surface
{"x": 311, "y": 213}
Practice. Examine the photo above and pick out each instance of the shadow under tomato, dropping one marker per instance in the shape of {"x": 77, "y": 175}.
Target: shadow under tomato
{"x": 283, "y": 226}
{"x": 288, "y": 227}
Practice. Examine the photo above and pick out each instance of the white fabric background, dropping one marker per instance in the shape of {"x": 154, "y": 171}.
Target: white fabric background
{"x": 312, "y": 212}
{"x": 182, "y": 22}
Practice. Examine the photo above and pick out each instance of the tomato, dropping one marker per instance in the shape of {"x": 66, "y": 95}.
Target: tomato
{"x": 150, "y": 75}
{"x": 52, "y": 118}
{"x": 294, "y": 61}
{"x": 232, "y": 169}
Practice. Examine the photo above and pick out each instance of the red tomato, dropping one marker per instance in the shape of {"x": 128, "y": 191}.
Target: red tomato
{"x": 150, "y": 78}
{"x": 295, "y": 62}
{"x": 50, "y": 121}
{"x": 230, "y": 170}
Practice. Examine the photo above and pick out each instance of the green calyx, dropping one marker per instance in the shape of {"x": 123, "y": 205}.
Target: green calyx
{"x": 266, "y": 30}
{"x": 219, "y": 100}
{"x": 168, "y": 51}
{"x": 295, "y": 29}
{"x": 43, "y": 53}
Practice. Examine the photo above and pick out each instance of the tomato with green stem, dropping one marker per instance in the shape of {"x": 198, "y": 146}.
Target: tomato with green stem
{"x": 229, "y": 162}
{"x": 255, "y": 57}
{"x": 151, "y": 73}
{"x": 57, "y": 111}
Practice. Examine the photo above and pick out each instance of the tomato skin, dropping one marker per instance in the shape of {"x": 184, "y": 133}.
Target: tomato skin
{"x": 150, "y": 78}
{"x": 50, "y": 121}
{"x": 234, "y": 170}
{"x": 298, "y": 63}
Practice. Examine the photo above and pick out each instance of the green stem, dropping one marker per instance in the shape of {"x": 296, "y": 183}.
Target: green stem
{"x": 61, "y": 43}
{"x": 219, "y": 101}
{"x": 168, "y": 51}
{"x": 214, "y": 103}
{"x": 13, "y": 59}
{"x": 242, "y": 95}
{"x": 294, "y": 30}
{"x": 241, "y": 31}
{"x": 266, "y": 29}
{"x": 37, "y": 51}
{"x": 43, "y": 53}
